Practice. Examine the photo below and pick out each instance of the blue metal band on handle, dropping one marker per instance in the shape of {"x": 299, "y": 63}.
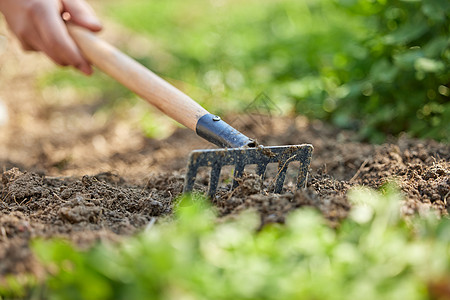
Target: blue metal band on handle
{"x": 215, "y": 130}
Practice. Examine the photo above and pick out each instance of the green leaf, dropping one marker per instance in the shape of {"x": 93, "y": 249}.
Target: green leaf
{"x": 383, "y": 71}
{"x": 407, "y": 60}
{"x": 428, "y": 65}
{"x": 436, "y": 47}
{"x": 437, "y": 10}
{"x": 407, "y": 33}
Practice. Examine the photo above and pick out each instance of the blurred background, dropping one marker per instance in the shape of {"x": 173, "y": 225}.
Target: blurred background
{"x": 377, "y": 67}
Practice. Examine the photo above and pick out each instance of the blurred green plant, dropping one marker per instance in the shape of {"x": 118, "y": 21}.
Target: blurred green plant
{"x": 374, "y": 253}
{"x": 400, "y": 82}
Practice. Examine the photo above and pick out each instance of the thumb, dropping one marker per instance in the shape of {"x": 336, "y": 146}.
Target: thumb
{"x": 82, "y": 14}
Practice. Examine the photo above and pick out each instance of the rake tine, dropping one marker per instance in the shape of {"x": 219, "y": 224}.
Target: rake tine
{"x": 261, "y": 170}
{"x": 214, "y": 180}
{"x": 281, "y": 175}
{"x": 238, "y": 171}
{"x": 190, "y": 178}
{"x": 304, "y": 168}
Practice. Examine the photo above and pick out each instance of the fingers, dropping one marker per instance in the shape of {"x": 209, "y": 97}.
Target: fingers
{"x": 82, "y": 14}
{"x": 39, "y": 27}
{"x": 28, "y": 44}
{"x": 56, "y": 42}
{"x": 31, "y": 43}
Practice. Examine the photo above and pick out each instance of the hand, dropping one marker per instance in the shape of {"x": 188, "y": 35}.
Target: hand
{"x": 39, "y": 26}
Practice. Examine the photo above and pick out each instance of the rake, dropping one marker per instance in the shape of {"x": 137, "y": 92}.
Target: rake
{"x": 237, "y": 149}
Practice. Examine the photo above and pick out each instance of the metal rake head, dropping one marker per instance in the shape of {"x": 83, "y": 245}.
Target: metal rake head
{"x": 241, "y": 157}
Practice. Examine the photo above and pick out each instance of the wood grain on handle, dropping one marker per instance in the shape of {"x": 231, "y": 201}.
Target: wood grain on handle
{"x": 138, "y": 78}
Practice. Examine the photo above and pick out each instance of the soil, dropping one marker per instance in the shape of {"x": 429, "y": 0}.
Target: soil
{"x": 71, "y": 174}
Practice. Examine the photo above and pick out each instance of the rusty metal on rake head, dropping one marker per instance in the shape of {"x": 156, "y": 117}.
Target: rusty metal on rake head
{"x": 241, "y": 157}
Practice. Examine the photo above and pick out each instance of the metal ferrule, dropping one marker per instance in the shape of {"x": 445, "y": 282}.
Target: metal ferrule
{"x": 213, "y": 129}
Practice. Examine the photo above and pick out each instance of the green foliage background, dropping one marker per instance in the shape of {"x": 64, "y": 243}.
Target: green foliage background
{"x": 401, "y": 83}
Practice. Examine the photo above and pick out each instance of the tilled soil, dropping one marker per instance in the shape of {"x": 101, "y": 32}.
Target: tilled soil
{"x": 106, "y": 206}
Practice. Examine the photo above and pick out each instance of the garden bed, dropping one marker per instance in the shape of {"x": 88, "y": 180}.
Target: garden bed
{"x": 39, "y": 199}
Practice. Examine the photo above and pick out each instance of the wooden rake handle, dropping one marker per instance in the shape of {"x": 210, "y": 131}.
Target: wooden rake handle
{"x": 156, "y": 90}
{"x": 138, "y": 78}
